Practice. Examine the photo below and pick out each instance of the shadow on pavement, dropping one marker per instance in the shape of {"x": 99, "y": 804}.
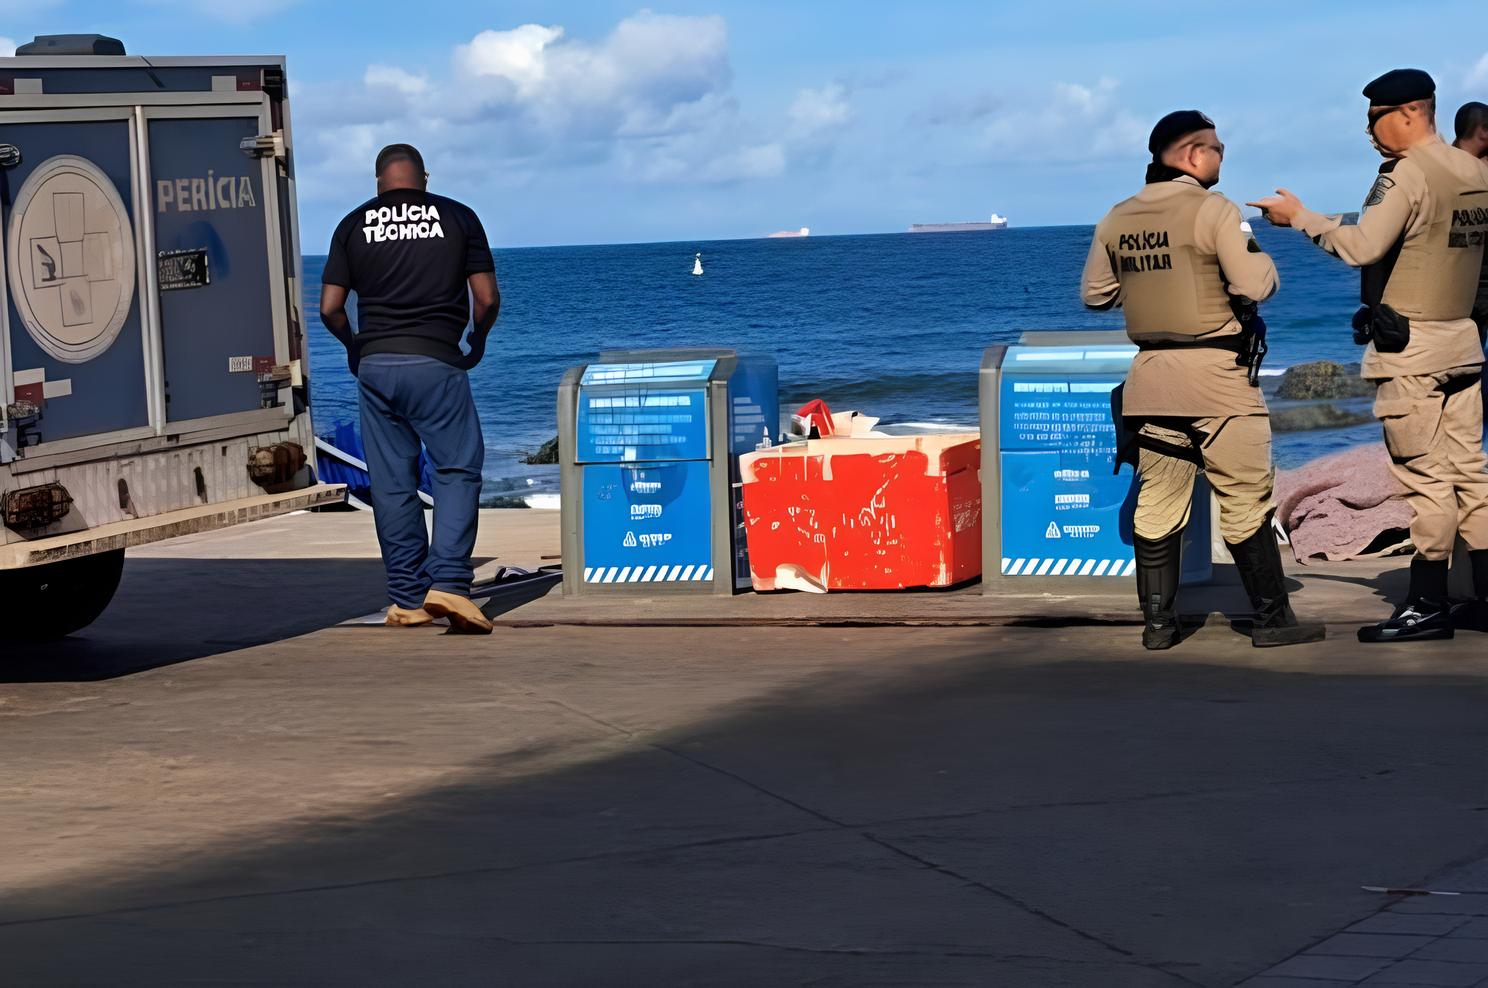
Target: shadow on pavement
{"x": 1388, "y": 587}
{"x": 504, "y": 597}
{"x": 1006, "y": 813}
{"x": 174, "y": 610}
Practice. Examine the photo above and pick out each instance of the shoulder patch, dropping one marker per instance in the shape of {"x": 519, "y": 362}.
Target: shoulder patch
{"x": 1376, "y": 195}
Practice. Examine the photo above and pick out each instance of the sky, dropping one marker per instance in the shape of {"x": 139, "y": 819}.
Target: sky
{"x": 609, "y": 122}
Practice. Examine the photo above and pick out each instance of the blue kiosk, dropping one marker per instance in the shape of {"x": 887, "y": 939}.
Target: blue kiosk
{"x": 649, "y": 446}
{"x": 1056, "y": 511}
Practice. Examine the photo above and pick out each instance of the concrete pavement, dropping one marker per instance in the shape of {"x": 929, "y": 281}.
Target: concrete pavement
{"x": 220, "y": 782}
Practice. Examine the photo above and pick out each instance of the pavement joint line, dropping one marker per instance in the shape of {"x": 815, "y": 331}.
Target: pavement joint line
{"x": 1026, "y": 907}
{"x": 1477, "y": 855}
{"x": 923, "y": 862}
{"x": 424, "y": 877}
{"x": 533, "y": 694}
{"x": 872, "y": 838}
{"x": 794, "y": 948}
{"x": 1115, "y": 801}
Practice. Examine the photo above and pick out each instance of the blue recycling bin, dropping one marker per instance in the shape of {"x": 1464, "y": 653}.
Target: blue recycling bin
{"x": 649, "y": 447}
{"x": 1055, "y": 508}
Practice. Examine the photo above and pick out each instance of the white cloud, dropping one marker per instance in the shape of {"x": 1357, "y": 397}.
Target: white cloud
{"x": 1478, "y": 76}
{"x": 518, "y": 56}
{"x": 635, "y": 81}
{"x": 651, "y": 101}
{"x": 400, "y": 81}
{"x": 817, "y": 111}
{"x": 1073, "y": 122}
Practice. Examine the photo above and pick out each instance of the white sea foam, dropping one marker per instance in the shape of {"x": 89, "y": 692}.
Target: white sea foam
{"x": 911, "y": 428}
{"x": 549, "y": 502}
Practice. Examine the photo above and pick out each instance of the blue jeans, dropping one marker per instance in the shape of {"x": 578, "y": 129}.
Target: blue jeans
{"x": 407, "y": 400}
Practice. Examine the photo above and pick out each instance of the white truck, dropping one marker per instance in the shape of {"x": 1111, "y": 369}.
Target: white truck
{"x": 153, "y": 380}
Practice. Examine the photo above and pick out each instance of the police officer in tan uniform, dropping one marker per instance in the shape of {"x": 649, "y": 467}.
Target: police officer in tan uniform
{"x": 1176, "y": 260}
{"x": 1471, "y": 125}
{"x": 1419, "y": 244}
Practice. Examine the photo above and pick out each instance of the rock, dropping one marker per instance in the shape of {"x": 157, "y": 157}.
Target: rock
{"x": 1344, "y": 506}
{"x": 1306, "y": 418}
{"x": 503, "y": 502}
{"x": 1323, "y": 379}
{"x": 547, "y": 453}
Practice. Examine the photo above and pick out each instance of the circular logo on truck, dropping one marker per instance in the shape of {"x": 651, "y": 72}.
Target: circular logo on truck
{"x": 69, "y": 254}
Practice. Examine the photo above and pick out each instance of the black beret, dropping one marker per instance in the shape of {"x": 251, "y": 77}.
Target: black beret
{"x": 1400, "y": 86}
{"x": 1176, "y": 125}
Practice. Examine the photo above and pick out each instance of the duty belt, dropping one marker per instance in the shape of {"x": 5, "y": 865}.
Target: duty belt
{"x": 1234, "y": 343}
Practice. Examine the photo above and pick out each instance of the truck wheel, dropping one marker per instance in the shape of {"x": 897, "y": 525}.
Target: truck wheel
{"x": 55, "y": 599}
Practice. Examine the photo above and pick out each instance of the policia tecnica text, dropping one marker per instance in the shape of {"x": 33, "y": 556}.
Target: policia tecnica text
{"x": 1190, "y": 401}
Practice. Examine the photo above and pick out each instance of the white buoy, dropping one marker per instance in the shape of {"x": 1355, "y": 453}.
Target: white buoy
{"x": 697, "y": 264}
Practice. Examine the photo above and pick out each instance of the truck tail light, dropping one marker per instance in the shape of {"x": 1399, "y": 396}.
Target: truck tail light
{"x": 274, "y": 468}
{"x": 35, "y": 507}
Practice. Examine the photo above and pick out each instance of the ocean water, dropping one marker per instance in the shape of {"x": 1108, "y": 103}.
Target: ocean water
{"x": 892, "y": 325}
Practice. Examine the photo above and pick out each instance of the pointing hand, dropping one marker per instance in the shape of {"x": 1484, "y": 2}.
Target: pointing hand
{"x": 1280, "y": 209}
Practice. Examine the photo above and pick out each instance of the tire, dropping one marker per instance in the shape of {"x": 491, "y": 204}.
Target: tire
{"x": 55, "y": 599}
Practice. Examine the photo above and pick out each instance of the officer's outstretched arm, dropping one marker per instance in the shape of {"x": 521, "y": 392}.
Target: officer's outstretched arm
{"x": 1249, "y": 272}
{"x": 1099, "y": 286}
{"x": 1388, "y": 211}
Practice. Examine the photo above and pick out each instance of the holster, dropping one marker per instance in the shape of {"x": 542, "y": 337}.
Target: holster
{"x": 1130, "y": 440}
{"x": 1380, "y": 324}
{"x": 1126, "y": 437}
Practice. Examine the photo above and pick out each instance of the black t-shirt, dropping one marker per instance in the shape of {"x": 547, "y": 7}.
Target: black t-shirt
{"x": 407, "y": 255}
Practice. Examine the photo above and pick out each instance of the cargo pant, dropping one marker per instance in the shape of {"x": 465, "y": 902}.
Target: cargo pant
{"x": 1236, "y": 454}
{"x": 1434, "y": 434}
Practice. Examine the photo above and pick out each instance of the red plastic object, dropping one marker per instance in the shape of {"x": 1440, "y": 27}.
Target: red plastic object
{"x": 814, "y": 415}
{"x": 864, "y": 514}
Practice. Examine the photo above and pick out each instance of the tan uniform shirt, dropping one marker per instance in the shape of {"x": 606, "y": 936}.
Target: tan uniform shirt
{"x": 1401, "y": 202}
{"x": 1190, "y": 382}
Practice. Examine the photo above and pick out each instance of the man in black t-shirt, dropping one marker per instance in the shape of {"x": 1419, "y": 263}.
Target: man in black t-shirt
{"x": 422, "y": 270}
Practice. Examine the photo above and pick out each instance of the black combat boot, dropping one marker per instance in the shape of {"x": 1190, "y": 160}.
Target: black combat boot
{"x": 1425, "y": 615}
{"x": 1259, "y": 562}
{"x": 1159, "y": 564}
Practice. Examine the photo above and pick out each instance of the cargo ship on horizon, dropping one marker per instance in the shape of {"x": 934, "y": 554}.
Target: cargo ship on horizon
{"x": 995, "y": 223}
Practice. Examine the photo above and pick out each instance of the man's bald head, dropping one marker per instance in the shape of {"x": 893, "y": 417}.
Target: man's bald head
{"x": 400, "y": 166}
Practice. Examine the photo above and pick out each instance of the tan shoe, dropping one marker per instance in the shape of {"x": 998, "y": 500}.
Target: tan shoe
{"x": 403, "y": 617}
{"x": 464, "y": 617}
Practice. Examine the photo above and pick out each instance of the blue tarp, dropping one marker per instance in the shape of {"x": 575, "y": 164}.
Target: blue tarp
{"x": 346, "y": 441}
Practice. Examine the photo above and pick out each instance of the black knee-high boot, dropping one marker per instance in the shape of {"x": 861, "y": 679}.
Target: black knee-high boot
{"x": 1259, "y": 561}
{"x": 1159, "y": 564}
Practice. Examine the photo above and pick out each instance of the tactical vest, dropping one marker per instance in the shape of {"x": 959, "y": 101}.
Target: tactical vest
{"x": 1171, "y": 291}
{"x": 1434, "y": 275}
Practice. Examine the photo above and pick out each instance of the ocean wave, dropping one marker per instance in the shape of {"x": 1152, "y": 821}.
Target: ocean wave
{"x": 858, "y": 389}
{"x": 914, "y": 428}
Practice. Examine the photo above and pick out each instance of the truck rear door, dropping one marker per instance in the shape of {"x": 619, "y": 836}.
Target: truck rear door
{"x": 146, "y": 264}
{"x": 75, "y": 344}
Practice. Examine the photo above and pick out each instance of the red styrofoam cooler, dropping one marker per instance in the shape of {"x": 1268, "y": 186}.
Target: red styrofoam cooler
{"x": 870, "y": 513}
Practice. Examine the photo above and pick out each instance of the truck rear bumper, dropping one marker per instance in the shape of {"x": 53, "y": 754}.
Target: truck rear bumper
{"x": 187, "y": 521}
